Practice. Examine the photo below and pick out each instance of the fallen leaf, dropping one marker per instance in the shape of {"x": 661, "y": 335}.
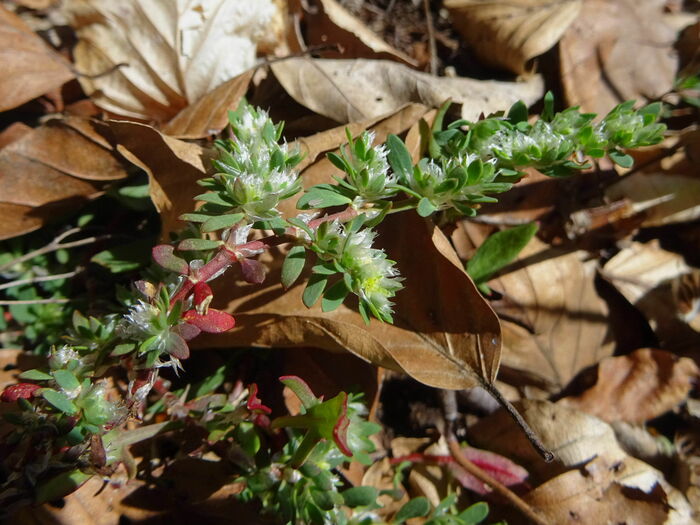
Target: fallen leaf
{"x": 651, "y": 279}
{"x": 616, "y": 50}
{"x": 352, "y": 90}
{"x": 175, "y": 53}
{"x": 637, "y": 387}
{"x": 330, "y": 23}
{"x": 209, "y": 115}
{"x": 52, "y": 169}
{"x": 173, "y": 167}
{"x": 509, "y": 34}
{"x": 554, "y": 323}
{"x": 30, "y": 67}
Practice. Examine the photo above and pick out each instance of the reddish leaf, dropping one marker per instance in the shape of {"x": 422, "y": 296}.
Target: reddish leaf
{"x": 163, "y": 255}
{"x": 177, "y": 347}
{"x": 214, "y": 321}
{"x": 187, "y": 331}
{"x": 254, "y": 404}
{"x": 340, "y": 430}
{"x": 202, "y": 295}
{"x": 253, "y": 270}
{"x": 21, "y": 390}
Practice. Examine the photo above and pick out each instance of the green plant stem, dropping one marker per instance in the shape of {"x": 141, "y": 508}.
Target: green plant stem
{"x": 311, "y": 438}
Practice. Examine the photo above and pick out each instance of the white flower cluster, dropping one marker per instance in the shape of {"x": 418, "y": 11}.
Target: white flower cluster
{"x": 368, "y": 168}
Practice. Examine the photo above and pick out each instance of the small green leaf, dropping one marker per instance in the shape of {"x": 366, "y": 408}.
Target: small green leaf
{"x": 126, "y": 257}
{"x": 213, "y": 198}
{"x": 122, "y": 349}
{"x": 621, "y": 159}
{"x": 360, "y": 496}
{"x": 334, "y": 296}
{"x": 425, "y": 207}
{"x": 323, "y": 196}
{"x": 60, "y": 485}
{"x": 221, "y": 221}
{"x": 548, "y": 110}
{"x": 416, "y": 508}
{"x": 517, "y": 112}
{"x": 35, "y": 375}
{"x": 293, "y": 265}
{"x": 66, "y": 380}
{"x": 498, "y": 250}
{"x": 198, "y": 244}
{"x": 194, "y": 217}
{"x": 314, "y": 289}
{"x": 475, "y": 514}
{"x": 59, "y": 400}
{"x": 399, "y": 158}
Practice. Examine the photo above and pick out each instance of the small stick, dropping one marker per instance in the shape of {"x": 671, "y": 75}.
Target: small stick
{"x": 496, "y": 485}
{"x": 431, "y": 37}
{"x": 42, "y": 279}
{"x": 35, "y": 301}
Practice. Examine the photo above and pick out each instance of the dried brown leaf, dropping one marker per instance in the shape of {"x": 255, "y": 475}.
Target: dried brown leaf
{"x": 555, "y": 324}
{"x": 509, "y": 34}
{"x": 617, "y": 50}
{"x": 176, "y": 52}
{"x": 30, "y": 67}
{"x": 209, "y": 115}
{"x": 331, "y": 24}
{"x": 637, "y": 387}
{"x": 352, "y": 90}
{"x": 173, "y": 168}
{"x": 50, "y": 170}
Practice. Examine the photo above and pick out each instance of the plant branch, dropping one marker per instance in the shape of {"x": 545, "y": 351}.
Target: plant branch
{"x": 34, "y": 301}
{"x": 41, "y": 279}
{"x": 515, "y": 500}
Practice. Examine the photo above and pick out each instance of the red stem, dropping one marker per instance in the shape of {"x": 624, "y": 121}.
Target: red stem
{"x": 226, "y": 257}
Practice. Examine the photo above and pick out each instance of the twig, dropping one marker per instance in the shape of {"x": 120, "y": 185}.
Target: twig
{"x": 496, "y": 485}
{"x": 42, "y": 279}
{"x": 431, "y": 37}
{"x": 53, "y": 246}
{"x": 34, "y": 301}
{"x": 529, "y": 433}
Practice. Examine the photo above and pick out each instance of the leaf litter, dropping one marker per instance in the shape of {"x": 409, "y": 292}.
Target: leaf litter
{"x": 546, "y": 321}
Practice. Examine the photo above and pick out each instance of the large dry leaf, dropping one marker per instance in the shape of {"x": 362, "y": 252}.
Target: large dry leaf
{"x": 637, "y": 387}
{"x": 652, "y": 279}
{"x": 330, "y": 23}
{"x": 556, "y": 324}
{"x": 352, "y": 90}
{"x": 176, "y": 51}
{"x": 30, "y": 67}
{"x": 173, "y": 167}
{"x": 509, "y": 34}
{"x": 51, "y": 170}
{"x": 617, "y": 50}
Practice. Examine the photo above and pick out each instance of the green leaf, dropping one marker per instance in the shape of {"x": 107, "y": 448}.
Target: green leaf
{"x": 498, "y": 250}
{"x": 621, "y": 159}
{"x": 334, "y": 296}
{"x": 122, "y": 349}
{"x": 293, "y": 265}
{"x": 314, "y": 289}
{"x": 416, "y": 508}
{"x": 126, "y": 257}
{"x": 66, "y": 380}
{"x": 360, "y": 496}
{"x": 35, "y": 375}
{"x": 221, "y": 221}
{"x": 517, "y": 112}
{"x": 194, "y": 217}
{"x": 475, "y": 514}
{"x": 323, "y": 196}
{"x": 548, "y": 111}
{"x": 197, "y": 245}
{"x": 399, "y": 158}
{"x": 59, "y": 400}
{"x": 425, "y": 207}
{"x": 213, "y": 198}
{"x": 60, "y": 485}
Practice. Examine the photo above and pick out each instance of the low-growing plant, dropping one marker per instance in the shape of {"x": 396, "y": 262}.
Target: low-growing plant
{"x": 69, "y": 423}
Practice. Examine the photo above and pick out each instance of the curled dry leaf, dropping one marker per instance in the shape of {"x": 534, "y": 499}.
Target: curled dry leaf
{"x": 173, "y": 167}
{"x": 331, "y": 24}
{"x": 659, "y": 284}
{"x": 30, "y": 67}
{"x": 175, "y": 52}
{"x": 617, "y": 50}
{"x": 637, "y": 387}
{"x": 554, "y": 323}
{"x": 352, "y": 90}
{"x": 52, "y": 169}
{"x": 509, "y": 34}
